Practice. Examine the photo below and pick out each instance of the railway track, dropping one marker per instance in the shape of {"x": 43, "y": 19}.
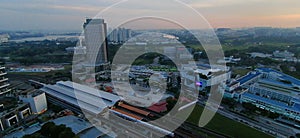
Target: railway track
{"x": 186, "y": 130}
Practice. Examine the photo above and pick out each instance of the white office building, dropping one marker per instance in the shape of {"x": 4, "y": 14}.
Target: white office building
{"x": 37, "y": 101}
{"x": 4, "y": 38}
{"x": 204, "y": 76}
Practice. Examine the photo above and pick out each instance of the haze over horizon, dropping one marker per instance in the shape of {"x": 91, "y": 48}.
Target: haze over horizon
{"x": 70, "y": 15}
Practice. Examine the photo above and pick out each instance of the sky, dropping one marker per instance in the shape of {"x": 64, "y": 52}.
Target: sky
{"x": 70, "y": 14}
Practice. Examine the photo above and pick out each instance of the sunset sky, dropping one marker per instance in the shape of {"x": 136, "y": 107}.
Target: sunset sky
{"x": 70, "y": 14}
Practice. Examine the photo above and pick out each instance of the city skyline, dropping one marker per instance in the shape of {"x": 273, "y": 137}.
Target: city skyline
{"x": 143, "y": 69}
{"x": 68, "y": 15}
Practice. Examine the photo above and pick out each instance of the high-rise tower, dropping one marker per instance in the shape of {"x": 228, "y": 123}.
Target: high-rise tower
{"x": 95, "y": 40}
{"x": 3, "y": 81}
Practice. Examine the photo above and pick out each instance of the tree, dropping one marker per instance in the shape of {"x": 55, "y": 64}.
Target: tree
{"x": 46, "y": 127}
{"x": 171, "y": 103}
{"x": 55, "y": 108}
{"x": 55, "y": 131}
{"x": 67, "y": 133}
{"x": 28, "y": 136}
{"x": 230, "y": 102}
{"x": 249, "y": 106}
{"x": 273, "y": 115}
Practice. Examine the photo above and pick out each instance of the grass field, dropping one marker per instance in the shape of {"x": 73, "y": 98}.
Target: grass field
{"x": 224, "y": 125}
{"x": 272, "y": 46}
{"x": 241, "y": 72}
{"x": 225, "y": 48}
{"x": 29, "y": 73}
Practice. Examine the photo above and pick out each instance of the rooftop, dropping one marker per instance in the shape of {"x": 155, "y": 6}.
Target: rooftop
{"x": 207, "y": 71}
{"x": 248, "y": 77}
{"x": 76, "y": 124}
{"x": 30, "y": 130}
{"x": 32, "y": 92}
{"x": 232, "y": 83}
{"x": 12, "y": 108}
{"x": 94, "y": 132}
{"x": 87, "y": 98}
{"x": 278, "y": 85}
{"x": 89, "y": 90}
{"x": 296, "y": 106}
{"x": 281, "y": 75}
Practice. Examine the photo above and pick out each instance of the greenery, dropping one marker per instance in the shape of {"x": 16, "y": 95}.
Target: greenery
{"x": 230, "y": 102}
{"x": 28, "y": 53}
{"x": 240, "y": 71}
{"x": 46, "y": 77}
{"x": 273, "y": 115}
{"x": 224, "y": 125}
{"x": 53, "y": 131}
{"x": 145, "y": 59}
{"x": 171, "y": 103}
{"x": 251, "y": 109}
{"x": 165, "y": 68}
{"x": 285, "y": 69}
{"x": 55, "y": 108}
{"x": 112, "y": 50}
{"x": 50, "y": 130}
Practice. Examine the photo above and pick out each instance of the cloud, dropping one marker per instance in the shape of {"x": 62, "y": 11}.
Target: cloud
{"x": 216, "y": 3}
{"x": 290, "y": 16}
{"x": 77, "y": 8}
{"x": 231, "y": 13}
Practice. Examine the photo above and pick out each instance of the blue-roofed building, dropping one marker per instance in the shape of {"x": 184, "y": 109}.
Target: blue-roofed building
{"x": 251, "y": 76}
{"x": 235, "y": 88}
{"x": 272, "y": 90}
{"x": 291, "y": 111}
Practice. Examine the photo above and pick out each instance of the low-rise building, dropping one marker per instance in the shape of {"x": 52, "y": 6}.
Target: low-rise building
{"x": 13, "y": 114}
{"x": 268, "y": 89}
{"x": 79, "y": 126}
{"x": 260, "y": 55}
{"x": 36, "y": 99}
{"x": 283, "y": 54}
{"x": 76, "y": 50}
{"x": 77, "y": 97}
{"x": 229, "y": 59}
{"x": 177, "y": 52}
{"x": 4, "y": 38}
{"x": 204, "y": 76}
{"x": 100, "y": 107}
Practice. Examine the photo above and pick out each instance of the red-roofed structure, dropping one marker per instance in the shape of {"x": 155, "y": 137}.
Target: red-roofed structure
{"x": 159, "y": 107}
{"x": 128, "y": 114}
{"x": 184, "y": 99}
{"x": 134, "y": 109}
{"x": 90, "y": 80}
